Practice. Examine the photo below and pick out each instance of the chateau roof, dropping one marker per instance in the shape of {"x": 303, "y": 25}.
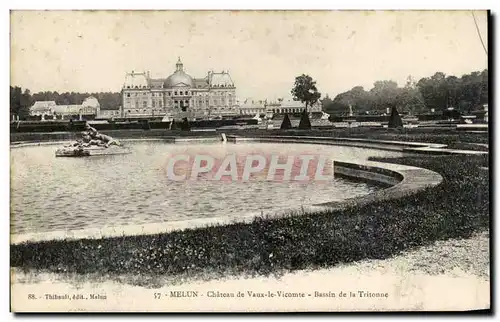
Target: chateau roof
{"x": 91, "y": 101}
{"x": 201, "y": 82}
{"x": 42, "y": 106}
{"x": 135, "y": 80}
{"x": 179, "y": 77}
{"x": 222, "y": 79}
{"x": 156, "y": 83}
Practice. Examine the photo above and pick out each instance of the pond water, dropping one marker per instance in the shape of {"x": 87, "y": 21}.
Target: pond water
{"x": 53, "y": 194}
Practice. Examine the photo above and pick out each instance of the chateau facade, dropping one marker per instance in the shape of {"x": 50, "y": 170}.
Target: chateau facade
{"x": 178, "y": 95}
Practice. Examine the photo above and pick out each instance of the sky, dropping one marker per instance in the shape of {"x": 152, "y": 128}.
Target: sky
{"x": 91, "y": 51}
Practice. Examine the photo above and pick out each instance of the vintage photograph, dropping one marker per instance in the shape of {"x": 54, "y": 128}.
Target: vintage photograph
{"x": 249, "y": 161}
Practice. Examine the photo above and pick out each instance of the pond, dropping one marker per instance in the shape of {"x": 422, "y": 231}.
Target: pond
{"x": 54, "y": 194}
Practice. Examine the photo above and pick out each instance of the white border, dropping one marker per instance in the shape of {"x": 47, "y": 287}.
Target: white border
{"x": 257, "y": 4}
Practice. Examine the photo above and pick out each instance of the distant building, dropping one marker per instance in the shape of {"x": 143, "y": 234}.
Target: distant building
{"x": 290, "y": 106}
{"x": 252, "y": 107}
{"x": 178, "y": 94}
{"x": 88, "y": 109}
{"x": 41, "y": 108}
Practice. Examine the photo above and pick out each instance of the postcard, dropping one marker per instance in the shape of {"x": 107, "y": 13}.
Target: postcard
{"x": 249, "y": 161}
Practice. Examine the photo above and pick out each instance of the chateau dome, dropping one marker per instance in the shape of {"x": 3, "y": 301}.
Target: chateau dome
{"x": 179, "y": 77}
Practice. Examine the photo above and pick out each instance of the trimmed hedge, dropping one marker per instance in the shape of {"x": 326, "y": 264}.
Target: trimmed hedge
{"x": 62, "y": 126}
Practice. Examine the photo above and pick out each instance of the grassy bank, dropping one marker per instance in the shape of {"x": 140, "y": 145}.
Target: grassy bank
{"x": 457, "y": 208}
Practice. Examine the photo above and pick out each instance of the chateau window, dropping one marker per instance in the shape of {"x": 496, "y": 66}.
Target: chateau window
{"x": 128, "y": 86}
{"x": 154, "y": 103}
{"x": 128, "y": 94}
{"x": 175, "y": 102}
{"x": 136, "y": 87}
{"x": 159, "y": 104}
{"x": 175, "y": 93}
{"x": 144, "y": 104}
{"x": 169, "y": 93}
{"x": 129, "y": 111}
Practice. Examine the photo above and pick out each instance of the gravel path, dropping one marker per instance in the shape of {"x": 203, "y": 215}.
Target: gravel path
{"x": 449, "y": 275}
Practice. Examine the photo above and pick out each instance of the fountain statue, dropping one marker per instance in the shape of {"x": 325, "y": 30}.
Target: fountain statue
{"x": 91, "y": 143}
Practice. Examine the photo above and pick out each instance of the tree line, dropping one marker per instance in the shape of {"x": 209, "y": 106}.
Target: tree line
{"x": 437, "y": 93}
{"x": 21, "y": 100}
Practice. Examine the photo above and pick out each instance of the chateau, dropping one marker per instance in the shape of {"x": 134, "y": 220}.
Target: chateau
{"x": 178, "y": 94}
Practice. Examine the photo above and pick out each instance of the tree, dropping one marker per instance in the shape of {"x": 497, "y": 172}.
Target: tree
{"x": 286, "y": 124}
{"x": 326, "y": 102}
{"x": 385, "y": 94}
{"x": 436, "y": 92}
{"x": 410, "y": 99}
{"x": 360, "y": 100}
{"x": 20, "y": 102}
{"x": 15, "y": 99}
{"x": 395, "y": 120}
{"x": 305, "y": 90}
{"x": 305, "y": 123}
